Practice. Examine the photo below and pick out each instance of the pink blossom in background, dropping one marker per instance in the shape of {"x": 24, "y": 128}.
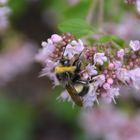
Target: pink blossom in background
{"x": 126, "y": 29}
{"x": 135, "y": 45}
{"x": 130, "y": 1}
{"x": 73, "y": 2}
{"x": 138, "y": 5}
{"x": 3, "y": 2}
{"x": 16, "y": 61}
{"x": 4, "y": 14}
{"x": 109, "y": 123}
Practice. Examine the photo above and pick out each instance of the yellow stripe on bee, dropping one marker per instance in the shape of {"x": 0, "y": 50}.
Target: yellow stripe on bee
{"x": 62, "y": 69}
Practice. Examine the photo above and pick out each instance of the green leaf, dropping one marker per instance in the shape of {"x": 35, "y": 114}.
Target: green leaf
{"x": 18, "y": 7}
{"x": 112, "y": 38}
{"x": 118, "y": 40}
{"x": 79, "y": 10}
{"x": 106, "y": 38}
{"x": 77, "y": 27}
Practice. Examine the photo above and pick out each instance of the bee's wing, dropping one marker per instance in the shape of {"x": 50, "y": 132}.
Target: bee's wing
{"x": 74, "y": 95}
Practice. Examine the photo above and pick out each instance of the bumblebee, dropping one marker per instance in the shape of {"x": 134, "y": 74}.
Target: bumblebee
{"x": 68, "y": 75}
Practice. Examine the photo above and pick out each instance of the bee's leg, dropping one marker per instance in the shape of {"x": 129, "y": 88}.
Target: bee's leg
{"x": 74, "y": 63}
{"x": 78, "y": 66}
{"x": 75, "y": 77}
{"x": 78, "y": 58}
{"x": 68, "y": 77}
{"x": 92, "y": 80}
{"x": 82, "y": 82}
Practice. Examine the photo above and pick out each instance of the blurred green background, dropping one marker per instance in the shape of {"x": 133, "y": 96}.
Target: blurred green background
{"x": 28, "y": 106}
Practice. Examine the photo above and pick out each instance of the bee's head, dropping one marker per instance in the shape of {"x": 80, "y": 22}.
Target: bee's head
{"x": 65, "y": 62}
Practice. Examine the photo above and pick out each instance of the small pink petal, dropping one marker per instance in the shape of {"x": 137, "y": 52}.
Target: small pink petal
{"x": 111, "y": 66}
{"x": 110, "y": 81}
{"x": 56, "y": 38}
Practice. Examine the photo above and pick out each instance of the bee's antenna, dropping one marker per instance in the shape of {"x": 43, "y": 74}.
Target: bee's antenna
{"x": 80, "y": 54}
{"x": 78, "y": 57}
{"x": 92, "y": 59}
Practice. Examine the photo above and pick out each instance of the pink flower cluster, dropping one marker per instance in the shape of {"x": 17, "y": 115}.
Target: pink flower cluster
{"x": 16, "y": 61}
{"x": 130, "y": 1}
{"x": 4, "y": 13}
{"x": 109, "y": 123}
{"x": 106, "y": 67}
{"x": 137, "y": 2}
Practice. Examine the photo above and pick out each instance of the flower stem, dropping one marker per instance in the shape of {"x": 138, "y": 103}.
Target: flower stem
{"x": 90, "y": 14}
{"x": 101, "y": 13}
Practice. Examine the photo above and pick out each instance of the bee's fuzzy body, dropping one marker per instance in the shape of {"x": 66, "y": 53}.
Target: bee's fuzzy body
{"x": 69, "y": 76}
